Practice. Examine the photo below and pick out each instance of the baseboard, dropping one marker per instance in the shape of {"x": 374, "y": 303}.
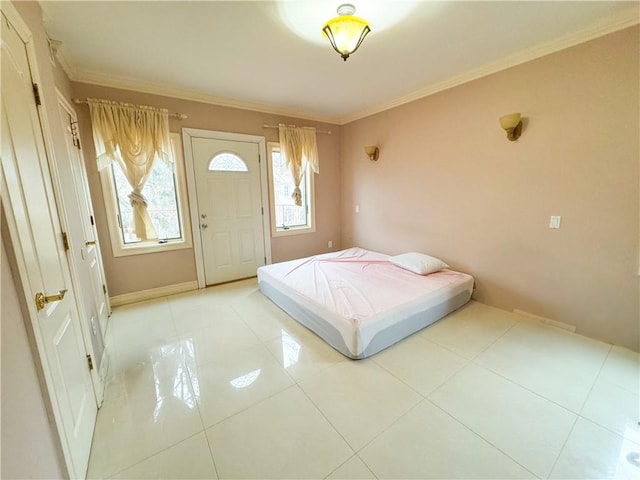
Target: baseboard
{"x": 553, "y": 323}
{"x": 134, "y": 297}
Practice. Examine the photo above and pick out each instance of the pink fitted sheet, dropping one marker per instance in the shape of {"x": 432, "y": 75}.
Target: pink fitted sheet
{"x": 358, "y": 301}
{"x": 358, "y": 284}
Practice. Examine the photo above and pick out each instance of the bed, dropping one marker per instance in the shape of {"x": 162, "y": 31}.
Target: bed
{"x": 358, "y": 301}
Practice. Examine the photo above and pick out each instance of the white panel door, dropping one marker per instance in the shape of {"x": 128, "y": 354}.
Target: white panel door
{"x": 83, "y": 253}
{"x": 227, "y": 177}
{"x": 34, "y": 226}
{"x": 87, "y": 250}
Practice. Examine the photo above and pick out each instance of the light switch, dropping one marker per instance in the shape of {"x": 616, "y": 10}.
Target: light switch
{"x": 357, "y": 208}
{"x": 554, "y": 221}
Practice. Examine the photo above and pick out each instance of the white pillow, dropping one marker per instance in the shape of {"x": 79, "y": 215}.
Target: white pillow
{"x": 418, "y": 263}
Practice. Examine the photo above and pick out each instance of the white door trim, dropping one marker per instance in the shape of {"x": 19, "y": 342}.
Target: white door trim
{"x": 187, "y": 134}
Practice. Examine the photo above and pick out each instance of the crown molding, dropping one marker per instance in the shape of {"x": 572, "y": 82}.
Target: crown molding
{"x": 624, "y": 19}
{"x": 64, "y": 64}
{"x": 620, "y": 21}
{"x": 124, "y": 83}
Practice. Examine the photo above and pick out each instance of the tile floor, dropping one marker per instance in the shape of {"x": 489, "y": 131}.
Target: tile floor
{"x": 220, "y": 383}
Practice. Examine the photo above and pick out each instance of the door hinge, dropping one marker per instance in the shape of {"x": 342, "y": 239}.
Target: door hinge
{"x": 265, "y": 260}
{"x": 65, "y": 241}
{"x": 74, "y": 134}
{"x": 262, "y": 208}
{"x": 36, "y": 94}
{"x": 104, "y": 289}
{"x": 92, "y": 222}
{"x": 90, "y": 362}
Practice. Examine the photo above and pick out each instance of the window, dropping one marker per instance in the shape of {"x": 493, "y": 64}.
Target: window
{"x": 227, "y": 162}
{"x": 286, "y": 217}
{"x": 166, "y": 204}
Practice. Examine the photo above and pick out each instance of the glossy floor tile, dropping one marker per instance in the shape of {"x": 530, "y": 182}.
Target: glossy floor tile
{"x": 420, "y": 363}
{"x": 614, "y": 408}
{"x": 471, "y": 329}
{"x": 538, "y": 357}
{"x": 188, "y": 459}
{"x": 525, "y": 426}
{"x": 428, "y": 443}
{"x": 595, "y": 453}
{"x": 303, "y": 354}
{"x": 360, "y": 399}
{"x": 285, "y": 436}
{"x": 222, "y": 383}
{"x": 237, "y": 382}
{"x": 352, "y": 469}
{"x": 147, "y": 416}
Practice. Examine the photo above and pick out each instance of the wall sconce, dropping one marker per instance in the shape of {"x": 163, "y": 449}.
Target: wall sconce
{"x": 372, "y": 152}
{"x": 512, "y": 125}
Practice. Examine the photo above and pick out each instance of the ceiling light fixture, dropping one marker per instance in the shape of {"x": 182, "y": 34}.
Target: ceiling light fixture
{"x": 346, "y": 32}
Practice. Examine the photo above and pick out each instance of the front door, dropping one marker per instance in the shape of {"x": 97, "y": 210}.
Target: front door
{"x": 34, "y": 227}
{"x": 227, "y": 177}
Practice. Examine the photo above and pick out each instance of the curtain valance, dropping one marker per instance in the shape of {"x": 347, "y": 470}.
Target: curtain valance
{"x": 128, "y": 130}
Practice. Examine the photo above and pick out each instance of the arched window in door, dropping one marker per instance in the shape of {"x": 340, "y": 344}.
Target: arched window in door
{"x": 227, "y": 162}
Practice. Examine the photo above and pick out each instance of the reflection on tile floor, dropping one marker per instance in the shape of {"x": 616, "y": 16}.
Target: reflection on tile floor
{"x": 220, "y": 383}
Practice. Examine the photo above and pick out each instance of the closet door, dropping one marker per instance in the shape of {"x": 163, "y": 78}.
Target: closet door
{"x": 36, "y": 236}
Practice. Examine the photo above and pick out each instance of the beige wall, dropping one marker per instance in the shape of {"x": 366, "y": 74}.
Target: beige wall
{"x": 448, "y": 183}
{"x": 140, "y": 272}
{"x": 30, "y": 447}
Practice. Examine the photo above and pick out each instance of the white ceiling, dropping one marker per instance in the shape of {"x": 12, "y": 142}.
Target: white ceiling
{"x": 271, "y": 56}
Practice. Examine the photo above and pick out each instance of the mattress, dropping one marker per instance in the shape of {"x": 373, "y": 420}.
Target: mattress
{"x": 358, "y": 301}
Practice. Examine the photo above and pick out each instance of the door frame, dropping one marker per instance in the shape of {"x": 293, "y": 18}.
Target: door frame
{"x": 38, "y": 353}
{"x": 187, "y": 135}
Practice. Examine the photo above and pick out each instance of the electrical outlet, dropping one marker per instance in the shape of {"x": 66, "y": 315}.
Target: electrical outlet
{"x": 330, "y": 244}
{"x": 554, "y": 221}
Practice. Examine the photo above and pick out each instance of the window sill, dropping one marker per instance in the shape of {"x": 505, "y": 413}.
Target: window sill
{"x": 292, "y": 231}
{"x": 149, "y": 247}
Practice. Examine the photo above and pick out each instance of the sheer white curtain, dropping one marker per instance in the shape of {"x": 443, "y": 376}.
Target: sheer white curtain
{"x": 299, "y": 147}
{"x": 133, "y": 136}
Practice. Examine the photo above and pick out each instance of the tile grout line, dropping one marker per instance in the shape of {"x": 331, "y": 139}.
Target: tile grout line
{"x": 533, "y": 391}
{"x": 516, "y": 385}
{"x": 401, "y": 380}
{"x": 304, "y": 392}
{"x": 477, "y": 434}
{"x": 411, "y": 409}
{"x": 579, "y": 414}
{"x": 595, "y": 380}
{"x": 564, "y": 444}
{"x": 355, "y": 455}
{"x": 155, "y": 454}
{"x": 204, "y": 428}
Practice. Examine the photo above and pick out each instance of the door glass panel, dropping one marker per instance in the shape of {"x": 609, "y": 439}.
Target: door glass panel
{"x": 227, "y": 162}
